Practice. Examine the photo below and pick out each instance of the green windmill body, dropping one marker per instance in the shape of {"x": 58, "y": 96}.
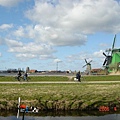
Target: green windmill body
{"x": 115, "y": 63}
{"x": 112, "y": 62}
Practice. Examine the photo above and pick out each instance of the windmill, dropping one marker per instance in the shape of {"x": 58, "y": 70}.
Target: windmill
{"x": 112, "y": 59}
{"x": 88, "y": 68}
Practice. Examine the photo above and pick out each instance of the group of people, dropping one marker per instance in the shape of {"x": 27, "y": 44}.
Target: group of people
{"x": 25, "y": 75}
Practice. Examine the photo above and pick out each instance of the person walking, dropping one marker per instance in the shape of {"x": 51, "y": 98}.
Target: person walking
{"x": 78, "y": 76}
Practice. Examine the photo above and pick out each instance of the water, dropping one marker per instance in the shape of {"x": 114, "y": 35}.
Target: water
{"x": 83, "y": 116}
{"x": 105, "y": 117}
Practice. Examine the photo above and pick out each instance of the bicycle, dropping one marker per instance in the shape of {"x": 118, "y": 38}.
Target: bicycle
{"x": 81, "y": 79}
{"x": 22, "y": 78}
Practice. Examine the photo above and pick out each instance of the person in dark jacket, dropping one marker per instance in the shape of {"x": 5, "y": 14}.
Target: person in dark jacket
{"x": 19, "y": 75}
{"x": 78, "y": 76}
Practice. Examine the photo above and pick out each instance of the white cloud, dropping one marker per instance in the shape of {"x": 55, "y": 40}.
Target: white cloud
{"x": 13, "y": 43}
{"x": 30, "y": 50}
{"x": 98, "y": 54}
{"x": 6, "y": 26}
{"x": 51, "y": 36}
{"x": 68, "y": 22}
{"x": 25, "y": 56}
{"x": 19, "y": 32}
{"x": 80, "y": 56}
{"x": 46, "y": 56}
{"x": 103, "y": 45}
{"x": 52, "y": 30}
{"x": 27, "y": 31}
{"x": 9, "y": 3}
{"x": 86, "y": 16}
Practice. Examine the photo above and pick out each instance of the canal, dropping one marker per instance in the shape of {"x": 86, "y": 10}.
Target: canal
{"x": 62, "y": 116}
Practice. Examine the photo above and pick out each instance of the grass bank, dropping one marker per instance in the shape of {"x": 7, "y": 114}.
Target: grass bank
{"x": 60, "y": 96}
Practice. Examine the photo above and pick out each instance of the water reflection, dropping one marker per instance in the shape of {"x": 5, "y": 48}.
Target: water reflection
{"x": 61, "y": 116}
{"x": 105, "y": 117}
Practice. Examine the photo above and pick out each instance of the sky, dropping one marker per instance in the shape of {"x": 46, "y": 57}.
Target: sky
{"x": 57, "y": 34}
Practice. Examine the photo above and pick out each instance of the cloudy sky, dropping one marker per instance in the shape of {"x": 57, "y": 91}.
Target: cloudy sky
{"x": 41, "y": 33}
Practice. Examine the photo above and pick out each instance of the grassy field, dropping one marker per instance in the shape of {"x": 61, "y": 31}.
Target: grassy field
{"x": 102, "y": 78}
{"x": 63, "y": 78}
{"x": 35, "y": 78}
{"x": 61, "y": 96}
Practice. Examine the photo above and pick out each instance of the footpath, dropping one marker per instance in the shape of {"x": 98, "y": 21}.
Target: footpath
{"x": 61, "y": 82}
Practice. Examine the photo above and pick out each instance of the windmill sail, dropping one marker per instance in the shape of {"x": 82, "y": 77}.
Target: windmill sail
{"x": 86, "y": 61}
{"x": 114, "y": 42}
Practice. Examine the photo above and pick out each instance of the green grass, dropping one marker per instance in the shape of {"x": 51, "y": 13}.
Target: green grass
{"x": 60, "y": 96}
{"x": 35, "y": 78}
{"x": 64, "y": 78}
{"x": 102, "y": 78}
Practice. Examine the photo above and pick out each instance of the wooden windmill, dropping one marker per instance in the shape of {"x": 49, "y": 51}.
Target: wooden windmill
{"x": 88, "y": 67}
{"x": 112, "y": 59}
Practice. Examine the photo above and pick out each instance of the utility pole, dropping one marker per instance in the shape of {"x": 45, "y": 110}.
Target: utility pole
{"x": 57, "y": 65}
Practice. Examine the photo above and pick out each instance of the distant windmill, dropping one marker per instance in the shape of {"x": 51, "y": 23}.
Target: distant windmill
{"x": 88, "y": 66}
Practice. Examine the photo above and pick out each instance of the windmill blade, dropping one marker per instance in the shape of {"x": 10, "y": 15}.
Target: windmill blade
{"x": 104, "y": 62}
{"x": 84, "y": 65}
{"x": 114, "y": 42}
{"x": 18, "y": 107}
{"x": 90, "y": 61}
{"x": 104, "y": 54}
{"x": 86, "y": 61}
